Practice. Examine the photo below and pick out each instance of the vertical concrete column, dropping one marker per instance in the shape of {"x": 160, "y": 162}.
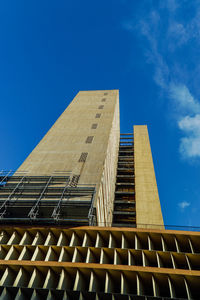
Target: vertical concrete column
{"x": 148, "y": 210}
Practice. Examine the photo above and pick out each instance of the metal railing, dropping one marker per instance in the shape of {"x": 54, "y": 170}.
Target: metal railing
{"x": 48, "y": 199}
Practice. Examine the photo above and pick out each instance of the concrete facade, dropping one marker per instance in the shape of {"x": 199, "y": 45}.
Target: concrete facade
{"x": 84, "y": 141}
{"x": 43, "y": 260}
{"x": 98, "y": 263}
{"x": 148, "y": 210}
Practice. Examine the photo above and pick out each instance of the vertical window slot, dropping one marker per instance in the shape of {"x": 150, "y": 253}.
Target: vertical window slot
{"x": 83, "y": 157}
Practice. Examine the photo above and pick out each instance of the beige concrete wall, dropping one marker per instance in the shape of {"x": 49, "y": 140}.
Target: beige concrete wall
{"x": 106, "y": 190}
{"x": 61, "y": 147}
{"x": 148, "y": 210}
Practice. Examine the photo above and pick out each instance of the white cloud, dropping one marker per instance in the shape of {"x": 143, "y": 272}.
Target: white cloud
{"x": 190, "y": 124}
{"x": 148, "y": 29}
{"x": 184, "y": 204}
{"x": 190, "y": 145}
{"x": 170, "y": 75}
{"x": 177, "y": 34}
{"x": 161, "y": 72}
{"x": 183, "y": 99}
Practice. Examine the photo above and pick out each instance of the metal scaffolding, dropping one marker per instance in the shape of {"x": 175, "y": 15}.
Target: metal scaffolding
{"x": 124, "y": 213}
{"x": 51, "y": 199}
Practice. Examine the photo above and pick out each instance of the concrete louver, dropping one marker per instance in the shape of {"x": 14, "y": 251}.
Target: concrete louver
{"x": 93, "y": 261}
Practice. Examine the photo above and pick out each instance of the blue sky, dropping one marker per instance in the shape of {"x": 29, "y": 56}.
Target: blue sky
{"x": 149, "y": 50}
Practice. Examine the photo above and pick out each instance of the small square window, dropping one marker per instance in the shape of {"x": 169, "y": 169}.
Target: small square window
{"x": 94, "y": 126}
{"x": 98, "y": 116}
{"x": 89, "y": 139}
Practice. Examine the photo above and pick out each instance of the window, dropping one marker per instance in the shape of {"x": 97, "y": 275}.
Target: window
{"x": 89, "y": 139}
{"x": 105, "y": 94}
{"x": 98, "y": 116}
{"x": 101, "y": 107}
{"x": 74, "y": 180}
{"x": 94, "y": 126}
{"x": 83, "y": 157}
{"x": 103, "y": 100}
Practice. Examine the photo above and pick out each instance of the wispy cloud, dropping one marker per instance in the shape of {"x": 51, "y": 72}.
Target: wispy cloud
{"x": 163, "y": 39}
{"x": 190, "y": 144}
{"x": 188, "y": 120}
{"x": 178, "y": 35}
{"x": 182, "y": 99}
{"x": 183, "y": 204}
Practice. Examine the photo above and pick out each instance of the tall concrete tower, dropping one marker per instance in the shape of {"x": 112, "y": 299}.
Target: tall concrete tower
{"x": 83, "y": 142}
{"x": 81, "y": 217}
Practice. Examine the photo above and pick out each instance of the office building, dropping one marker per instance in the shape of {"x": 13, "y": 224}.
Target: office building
{"x": 81, "y": 217}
